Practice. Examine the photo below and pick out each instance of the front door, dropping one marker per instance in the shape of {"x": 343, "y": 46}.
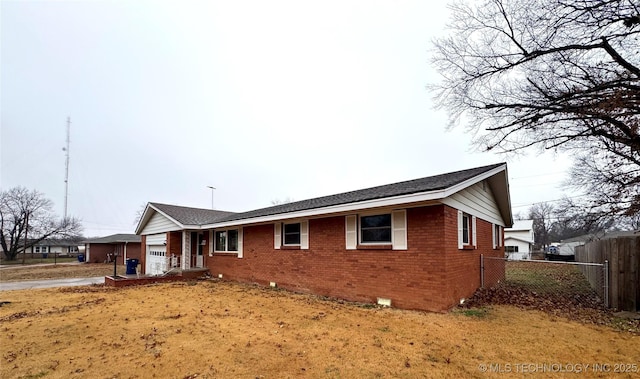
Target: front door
{"x": 199, "y": 248}
{"x": 200, "y": 256}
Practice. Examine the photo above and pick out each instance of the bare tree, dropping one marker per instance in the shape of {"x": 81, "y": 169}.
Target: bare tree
{"x": 553, "y": 74}
{"x": 23, "y": 211}
{"x": 542, "y": 214}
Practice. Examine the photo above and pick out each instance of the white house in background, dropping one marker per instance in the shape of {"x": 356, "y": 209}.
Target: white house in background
{"x": 518, "y": 240}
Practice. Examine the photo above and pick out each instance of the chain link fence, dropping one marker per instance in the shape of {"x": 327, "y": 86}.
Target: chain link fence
{"x": 570, "y": 282}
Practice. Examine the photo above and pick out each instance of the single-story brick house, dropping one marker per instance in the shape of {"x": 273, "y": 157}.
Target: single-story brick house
{"x": 414, "y": 244}
{"x": 120, "y": 246}
{"x": 60, "y": 247}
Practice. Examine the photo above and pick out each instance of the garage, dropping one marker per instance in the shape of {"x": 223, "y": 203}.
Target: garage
{"x": 156, "y": 260}
{"x": 156, "y": 257}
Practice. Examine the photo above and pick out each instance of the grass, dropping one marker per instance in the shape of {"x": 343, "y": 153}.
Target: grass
{"x": 232, "y": 330}
{"x": 481, "y": 312}
{"x": 547, "y": 278}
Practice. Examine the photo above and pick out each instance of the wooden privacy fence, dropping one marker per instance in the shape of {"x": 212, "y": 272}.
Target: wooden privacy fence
{"x": 623, "y": 255}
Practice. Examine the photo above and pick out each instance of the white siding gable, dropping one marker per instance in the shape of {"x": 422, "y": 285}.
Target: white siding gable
{"x": 159, "y": 224}
{"x": 476, "y": 200}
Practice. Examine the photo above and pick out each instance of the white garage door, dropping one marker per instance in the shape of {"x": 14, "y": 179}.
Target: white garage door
{"x": 156, "y": 260}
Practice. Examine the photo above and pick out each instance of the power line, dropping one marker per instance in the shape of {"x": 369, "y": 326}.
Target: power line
{"x": 546, "y": 201}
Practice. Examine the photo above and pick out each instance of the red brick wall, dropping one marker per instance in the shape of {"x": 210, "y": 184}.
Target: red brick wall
{"x": 463, "y": 266}
{"x": 430, "y": 275}
{"x": 98, "y": 252}
{"x": 143, "y": 254}
{"x": 174, "y": 243}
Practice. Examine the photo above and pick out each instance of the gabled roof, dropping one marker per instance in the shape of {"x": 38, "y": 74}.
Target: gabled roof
{"x": 183, "y": 217}
{"x": 428, "y": 184}
{"x": 426, "y": 189}
{"x": 114, "y": 238}
{"x": 191, "y": 216}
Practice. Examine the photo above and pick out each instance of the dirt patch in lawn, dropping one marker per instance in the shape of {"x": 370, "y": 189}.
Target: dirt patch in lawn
{"x": 60, "y": 271}
{"x": 211, "y": 329}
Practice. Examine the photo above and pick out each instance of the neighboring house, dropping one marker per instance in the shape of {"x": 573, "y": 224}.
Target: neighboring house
{"x": 61, "y": 247}
{"x": 518, "y": 240}
{"x": 120, "y": 246}
{"x": 414, "y": 244}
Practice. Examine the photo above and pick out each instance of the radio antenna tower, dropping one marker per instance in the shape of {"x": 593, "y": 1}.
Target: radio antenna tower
{"x": 66, "y": 168}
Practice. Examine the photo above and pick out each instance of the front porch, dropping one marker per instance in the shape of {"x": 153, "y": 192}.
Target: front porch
{"x": 175, "y": 250}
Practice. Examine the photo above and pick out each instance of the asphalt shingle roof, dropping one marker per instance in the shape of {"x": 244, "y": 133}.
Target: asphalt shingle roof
{"x": 114, "y": 238}
{"x": 191, "y": 216}
{"x": 431, "y": 183}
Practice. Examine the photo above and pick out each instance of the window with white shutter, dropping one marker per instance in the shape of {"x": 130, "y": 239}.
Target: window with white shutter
{"x": 351, "y": 227}
{"x": 399, "y": 224}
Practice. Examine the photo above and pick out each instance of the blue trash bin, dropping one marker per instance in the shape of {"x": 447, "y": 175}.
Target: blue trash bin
{"x": 45, "y": 255}
{"x": 132, "y": 264}
{"x": 80, "y": 257}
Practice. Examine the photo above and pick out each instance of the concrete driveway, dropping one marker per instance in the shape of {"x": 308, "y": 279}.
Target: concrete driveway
{"x": 48, "y": 283}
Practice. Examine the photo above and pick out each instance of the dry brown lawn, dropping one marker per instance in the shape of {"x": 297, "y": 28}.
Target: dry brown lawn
{"x": 60, "y": 271}
{"x": 211, "y": 329}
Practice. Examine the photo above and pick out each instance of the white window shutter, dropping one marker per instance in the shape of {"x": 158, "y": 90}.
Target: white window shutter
{"x": 460, "y": 239}
{"x": 474, "y": 231}
{"x": 240, "y": 243}
{"x": 500, "y": 234}
{"x": 304, "y": 235}
{"x": 277, "y": 239}
{"x": 351, "y": 226}
{"x": 399, "y": 227}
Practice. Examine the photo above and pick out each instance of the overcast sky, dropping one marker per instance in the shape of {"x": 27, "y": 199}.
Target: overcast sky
{"x": 263, "y": 100}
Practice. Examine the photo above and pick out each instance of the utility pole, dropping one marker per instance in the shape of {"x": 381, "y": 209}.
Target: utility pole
{"x": 66, "y": 168}
{"x": 26, "y": 231}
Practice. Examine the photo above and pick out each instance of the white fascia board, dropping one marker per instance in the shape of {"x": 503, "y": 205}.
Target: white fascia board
{"x": 336, "y": 209}
{"x": 375, "y": 203}
{"x": 471, "y": 181}
{"x": 146, "y": 215}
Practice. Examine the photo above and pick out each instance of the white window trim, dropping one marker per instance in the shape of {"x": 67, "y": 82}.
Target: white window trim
{"x": 472, "y": 234}
{"x": 278, "y": 235}
{"x": 497, "y": 236}
{"x": 368, "y": 214}
{"x": 353, "y": 232}
{"x": 284, "y": 224}
{"x": 212, "y": 248}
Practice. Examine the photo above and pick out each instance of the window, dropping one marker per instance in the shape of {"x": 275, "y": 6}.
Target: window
{"x": 467, "y": 238}
{"x": 291, "y": 234}
{"x": 226, "y": 240}
{"x": 511, "y": 249}
{"x": 375, "y": 229}
{"x": 294, "y": 235}
{"x": 466, "y": 228}
{"x": 497, "y": 236}
{"x": 37, "y": 249}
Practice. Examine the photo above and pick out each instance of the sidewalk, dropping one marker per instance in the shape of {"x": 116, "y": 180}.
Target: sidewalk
{"x": 48, "y": 283}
